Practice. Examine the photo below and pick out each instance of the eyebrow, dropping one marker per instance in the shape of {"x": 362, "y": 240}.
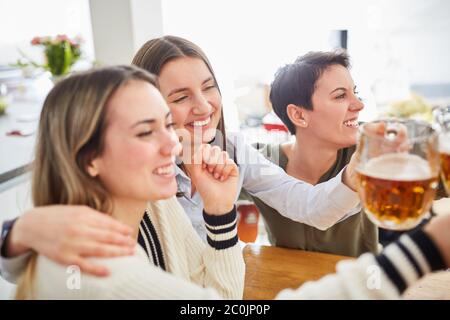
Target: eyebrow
{"x": 342, "y": 88}
{"x": 148, "y": 121}
{"x": 184, "y": 89}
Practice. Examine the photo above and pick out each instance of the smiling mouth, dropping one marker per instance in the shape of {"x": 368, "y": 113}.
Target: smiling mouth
{"x": 352, "y": 123}
{"x": 165, "y": 171}
{"x": 200, "y": 123}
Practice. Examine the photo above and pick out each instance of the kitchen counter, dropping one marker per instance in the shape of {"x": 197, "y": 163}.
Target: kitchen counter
{"x": 17, "y": 151}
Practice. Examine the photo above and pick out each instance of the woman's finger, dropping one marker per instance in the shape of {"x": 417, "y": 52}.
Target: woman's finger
{"x": 87, "y": 266}
{"x": 228, "y": 170}
{"x": 206, "y": 151}
{"x": 108, "y": 237}
{"x": 95, "y": 249}
{"x": 221, "y": 165}
{"x": 214, "y": 158}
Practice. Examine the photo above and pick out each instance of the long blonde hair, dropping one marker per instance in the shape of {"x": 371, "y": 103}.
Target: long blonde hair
{"x": 71, "y": 133}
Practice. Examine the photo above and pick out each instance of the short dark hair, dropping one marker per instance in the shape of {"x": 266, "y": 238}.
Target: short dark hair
{"x": 295, "y": 83}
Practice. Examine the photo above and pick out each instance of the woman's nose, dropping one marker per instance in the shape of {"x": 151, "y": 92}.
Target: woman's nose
{"x": 170, "y": 146}
{"x": 202, "y": 106}
{"x": 356, "y": 104}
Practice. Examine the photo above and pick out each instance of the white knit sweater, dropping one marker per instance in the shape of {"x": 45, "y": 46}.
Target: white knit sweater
{"x": 385, "y": 276}
{"x": 199, "y": 271}
{"x": 195, "y": 270}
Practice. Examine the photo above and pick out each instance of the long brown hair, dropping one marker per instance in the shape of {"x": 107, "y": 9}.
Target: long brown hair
{"x": 71, "y": 133}
{"x": 155, "y": 53}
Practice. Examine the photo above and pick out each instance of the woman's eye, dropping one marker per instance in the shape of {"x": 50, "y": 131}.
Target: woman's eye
{"x": 170, "y": 125}
{"x": 210, "y": 87}
{"x": 342, "y": 96}
{"x": 144, "y": 134}
{"x": 180, "y": 99}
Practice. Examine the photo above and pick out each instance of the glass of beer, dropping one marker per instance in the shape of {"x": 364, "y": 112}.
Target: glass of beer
{"x": 442, "y": 116}
{"x": 398, "y": 171}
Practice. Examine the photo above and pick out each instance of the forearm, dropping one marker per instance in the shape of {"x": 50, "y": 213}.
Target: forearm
{"x": 14, "y": 256}
{"x": 320, "y": 206}
{"x": 385, "y": 276}
{"x": 13, "y": 243}
{"x": 12, "y": 268}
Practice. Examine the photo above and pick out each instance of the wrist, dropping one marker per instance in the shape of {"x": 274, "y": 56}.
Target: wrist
{"x": 218, "y": 209}
{"x": 14, "y": 245}
{"x": 437, "y": 233}
{"x": 222, "y": 231}
{"x": 411, "y": 257}
{"x": 349, "y": 178}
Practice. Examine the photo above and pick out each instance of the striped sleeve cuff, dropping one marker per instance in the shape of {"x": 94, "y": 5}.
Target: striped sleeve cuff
{"x": 221, "y": 230}
{"x": 410, "y": 258}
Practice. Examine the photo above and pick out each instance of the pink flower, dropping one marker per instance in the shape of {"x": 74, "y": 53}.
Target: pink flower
{"x": 45, "y": 40}
{"x": 75, "y": 42}
{"x": 62, "y": 37}
{"x": 35, "y": 41}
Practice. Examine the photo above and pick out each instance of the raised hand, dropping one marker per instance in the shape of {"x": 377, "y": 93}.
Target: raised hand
{"x": 391, "y": 139}
{"x": 215, "y": 176}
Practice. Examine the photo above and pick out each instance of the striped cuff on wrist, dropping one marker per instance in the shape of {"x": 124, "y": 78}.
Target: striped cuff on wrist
{"x": 221, "y": 230}
{"x": 217, "y": 221}
{"x": 408, "y": 259}
{"x": 429, "y": 250}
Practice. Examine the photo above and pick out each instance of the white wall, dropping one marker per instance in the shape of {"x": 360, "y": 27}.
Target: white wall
{"x": 121, "y": 27}
{"x": 250, "y": 38}
{"x": 418, "y": 33}
{"x": 21, "y": 20}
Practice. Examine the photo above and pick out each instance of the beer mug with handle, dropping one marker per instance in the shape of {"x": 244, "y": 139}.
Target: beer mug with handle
{"x": 398, "y": 171}
{"x": 442, "y": 117}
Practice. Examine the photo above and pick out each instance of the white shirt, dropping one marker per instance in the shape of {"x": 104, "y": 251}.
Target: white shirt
{"x": 320, "y": 206}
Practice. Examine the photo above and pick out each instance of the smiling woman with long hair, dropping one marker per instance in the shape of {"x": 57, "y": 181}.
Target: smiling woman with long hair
{"x": 106, "y": 141}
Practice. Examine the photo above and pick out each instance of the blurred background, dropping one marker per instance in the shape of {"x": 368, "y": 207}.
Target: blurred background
{"x": 397, "y": 47}
{"x": 399, "y": 51}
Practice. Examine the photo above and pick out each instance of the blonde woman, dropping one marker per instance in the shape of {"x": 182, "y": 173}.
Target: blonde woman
{"x": 106, "y": 141}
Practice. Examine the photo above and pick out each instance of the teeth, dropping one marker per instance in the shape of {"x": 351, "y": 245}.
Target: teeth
{"x": 351, "y": 123}
{"x": 167, "y": 170}
{"x": 201, "y": 123}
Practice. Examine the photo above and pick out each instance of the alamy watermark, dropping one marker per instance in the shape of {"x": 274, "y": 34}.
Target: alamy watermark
{"x": 73, "y": 281}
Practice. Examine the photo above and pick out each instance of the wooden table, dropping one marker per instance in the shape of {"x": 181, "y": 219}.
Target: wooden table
{"x": 271, "y": 269}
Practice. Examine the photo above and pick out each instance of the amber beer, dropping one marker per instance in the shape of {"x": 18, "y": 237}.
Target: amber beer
{"x": 444, "y": 157}
{"x": 445, "y": 170}
{"x": 397, "y": 190}
{"x": 442, "y": 117}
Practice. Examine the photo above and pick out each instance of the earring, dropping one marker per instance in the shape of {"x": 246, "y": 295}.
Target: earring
{"x": 303, "y": 123}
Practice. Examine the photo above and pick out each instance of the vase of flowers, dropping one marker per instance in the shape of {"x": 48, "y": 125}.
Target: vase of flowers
{"x": 61, "y": 53}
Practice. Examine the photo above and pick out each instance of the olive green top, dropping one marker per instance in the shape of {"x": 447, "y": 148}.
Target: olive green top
{"x": 351, "y": 237}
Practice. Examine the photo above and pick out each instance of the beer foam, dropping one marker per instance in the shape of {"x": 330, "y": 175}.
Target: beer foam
{"x": 398, "y": 166}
